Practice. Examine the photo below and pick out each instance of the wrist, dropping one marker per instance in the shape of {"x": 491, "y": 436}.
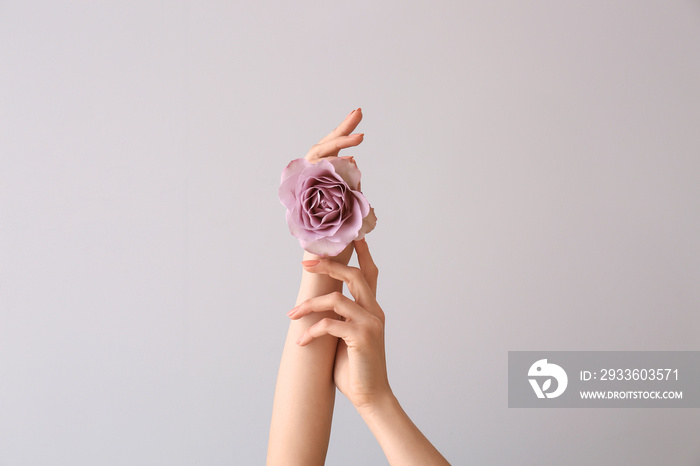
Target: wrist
{"x": 315, "y": 284}
{"x": 343, "y": 257}
{"x": 381, "y": 405}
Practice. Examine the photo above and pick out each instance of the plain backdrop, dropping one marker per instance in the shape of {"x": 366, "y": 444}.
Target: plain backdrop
{"x": 535, "y": 168}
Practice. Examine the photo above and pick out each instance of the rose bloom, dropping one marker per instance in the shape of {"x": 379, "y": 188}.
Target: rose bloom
{"x": 325, "y": 209}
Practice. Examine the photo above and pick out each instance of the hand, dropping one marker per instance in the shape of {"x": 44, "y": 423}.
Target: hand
{"x": 338, "y": 139}
{"x": 330, "y": 146}
{"x": 360, "y": 364}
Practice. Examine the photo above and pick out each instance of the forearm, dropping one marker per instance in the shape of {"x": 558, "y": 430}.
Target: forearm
{"x": 403, "y": 443}
{"x": 305, "y": 392}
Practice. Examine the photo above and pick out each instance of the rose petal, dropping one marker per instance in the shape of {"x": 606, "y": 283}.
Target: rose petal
{"x": 363, "y": 202}
{"x": 347, "y": 170}
{"x": 331, "y": 218}
{"x": 351, "y": 225}
{"x": 323, "y": 170}
{"x": 294, "y": 168}
{"x": 297, "y": 229}
{"x": 328, "y": 212}
{"x": 320, "y": 204}
{"x": 350, "y": 158}
{"x": 368, "y": 224}
{"x": 323, "y": 247}
{"x": 310, "y": 198}
{"x": 290, "y": 177}
{"x": 325, "y": 209}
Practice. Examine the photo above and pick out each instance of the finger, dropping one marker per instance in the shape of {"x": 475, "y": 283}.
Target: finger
{"x": 346, "y": 127}
{"x": 367, "y": 265}
{"x": 335, "y": 301}
{"x": 332, "y": 147}
{"x": 352, "y": 276}
{"x": 323, "y": 327}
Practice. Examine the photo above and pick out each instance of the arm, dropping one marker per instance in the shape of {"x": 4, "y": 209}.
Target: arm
{"x": 360, "y": 366}
{"x": 403, "y": 443}
{"x": 305, "y": 392}
{"x": 304, "y": 395}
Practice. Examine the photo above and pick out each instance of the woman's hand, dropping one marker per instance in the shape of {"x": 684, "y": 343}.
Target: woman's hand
{"x": 330, "y": 146}
{"x": 360, "y": 364}
{"x": 338, "y": 139}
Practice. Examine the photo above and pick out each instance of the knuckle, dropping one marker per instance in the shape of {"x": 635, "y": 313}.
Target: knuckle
{"x": 368, "y": 265}
{"x": 376, "y": 325}
{"x": 355, "y": 274}
{"x": 381, "y": 316}
{"x": 336, "y": 296}
{"x": 372, "y": 271}
{"x": 323, "y": 324}
{"x": 314, "y": 152}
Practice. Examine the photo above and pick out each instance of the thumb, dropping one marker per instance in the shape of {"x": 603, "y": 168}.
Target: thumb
{"x": 367, "y": 265}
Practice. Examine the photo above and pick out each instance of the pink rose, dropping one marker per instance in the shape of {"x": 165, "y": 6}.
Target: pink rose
{"x": 325, "y": 209}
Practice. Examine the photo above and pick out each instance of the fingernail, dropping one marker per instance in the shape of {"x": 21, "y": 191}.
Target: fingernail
{"x": 359, "y": 109}
{"x": 310, "y": 263}
{"x": 293, "y": 311}
{"x": 299, "y": 340}
{"x": 359, "y": 134}
{"x": 351, "y": 113}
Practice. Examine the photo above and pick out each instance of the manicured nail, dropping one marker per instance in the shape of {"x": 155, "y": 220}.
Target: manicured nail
{"x": 300, "y": 338}
{"x": 359, "y": 134}
{"x": 351, "y": 113}
{"x": 359, "y": 109}
{"x": 293, "y": 311}
{"x": 310, "y": 263}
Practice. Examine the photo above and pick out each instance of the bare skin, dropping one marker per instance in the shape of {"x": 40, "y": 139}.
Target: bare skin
{"x": 360, "y": 365}
{"x": 334, "y": 341}
{"x": 305, "y": 392}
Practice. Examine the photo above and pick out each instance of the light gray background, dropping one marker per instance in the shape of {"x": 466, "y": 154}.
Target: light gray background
{"x": 534, "y": 167}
